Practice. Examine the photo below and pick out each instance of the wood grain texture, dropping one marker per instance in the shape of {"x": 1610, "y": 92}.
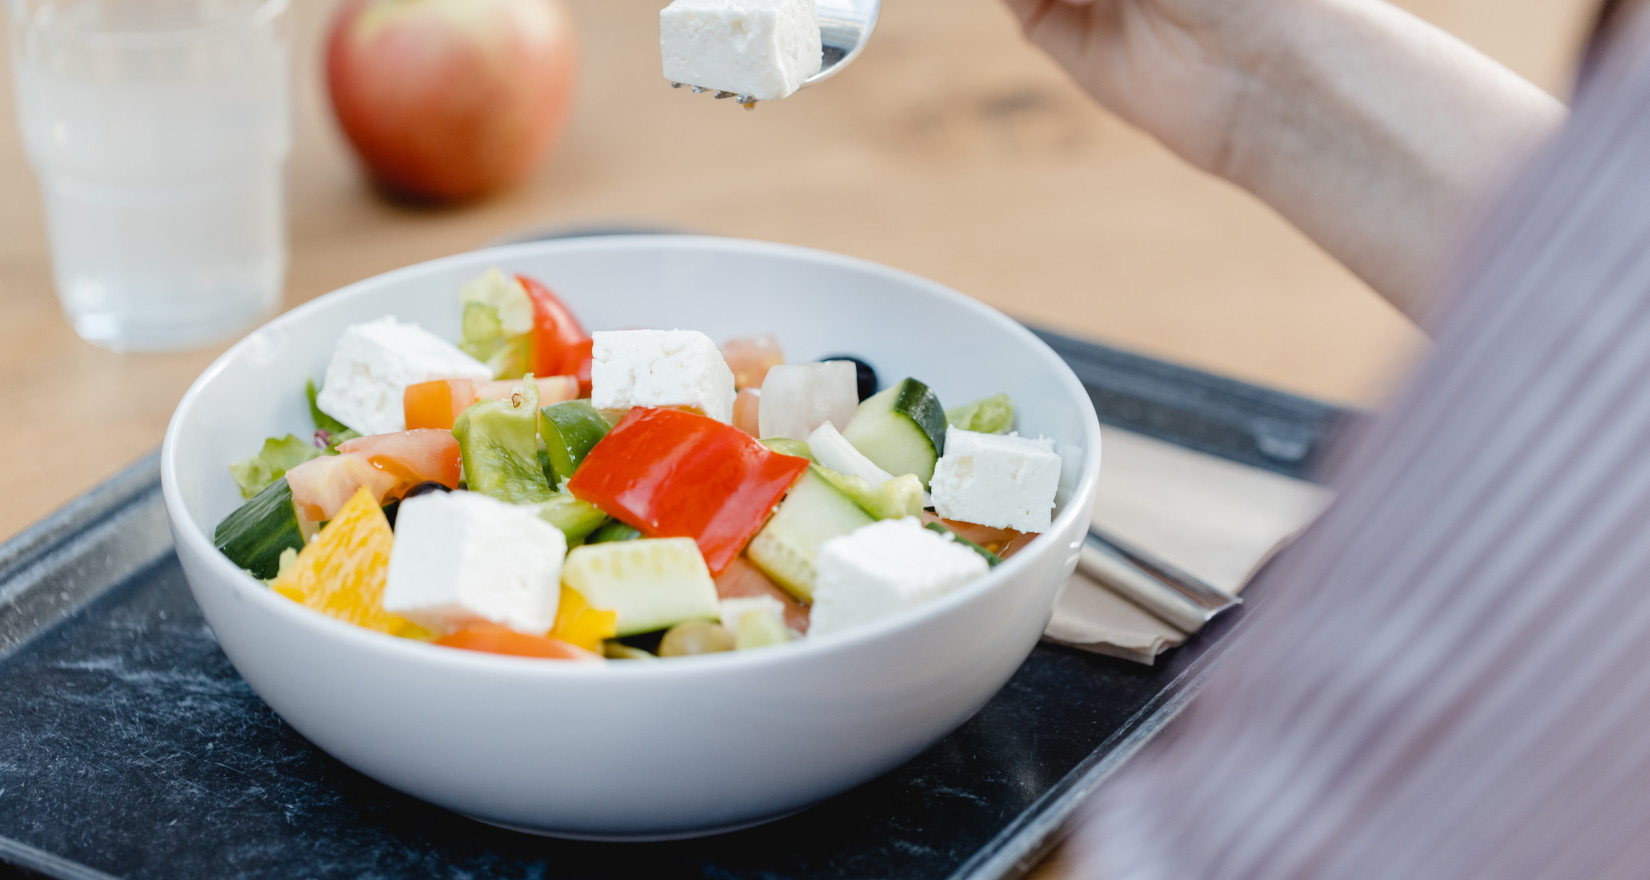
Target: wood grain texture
{"x": 951, "y": 149}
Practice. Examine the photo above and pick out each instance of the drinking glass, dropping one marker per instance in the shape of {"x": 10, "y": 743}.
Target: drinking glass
{"x": 159, "y": 131}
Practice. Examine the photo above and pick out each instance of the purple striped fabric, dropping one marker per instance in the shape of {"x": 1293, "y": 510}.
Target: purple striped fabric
{"x": 1450, "y": 677}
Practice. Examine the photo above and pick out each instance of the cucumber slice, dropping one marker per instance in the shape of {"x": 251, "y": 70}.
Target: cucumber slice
{"x": 569, "y": 430}
{"x": 652, "y": 583}
{"x": 813, "y": 512}
{"x": 256, "y": 533}
{"x": 755, "y": 621}
{"x": 897, "y": 498}
{"x": 901, "y": 429}
{"x": 991, "y": 559}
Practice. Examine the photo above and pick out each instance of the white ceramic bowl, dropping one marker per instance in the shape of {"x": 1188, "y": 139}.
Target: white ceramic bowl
{"x": 638, "y": 750}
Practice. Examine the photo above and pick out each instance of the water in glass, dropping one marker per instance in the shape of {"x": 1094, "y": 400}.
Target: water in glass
{"x": 159, "y": 130}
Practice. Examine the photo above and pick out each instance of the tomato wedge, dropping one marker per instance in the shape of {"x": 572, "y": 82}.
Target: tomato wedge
{"x": 387, "y": 465}
{"x": 322, "y": 486}
{"x": 490, "y": 638}
{"x": 750, "y": 358}
{"x": 552, "y": 389}
{"x": 989, "y": 537}
{"x": 413, "y": 456}
{"x": 557, "y": 336}
{"x": 675, "y": 474}
{"x": 746, "y": 406}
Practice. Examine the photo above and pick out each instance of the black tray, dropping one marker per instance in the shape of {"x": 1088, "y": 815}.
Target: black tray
{"x": 129, "y": 746}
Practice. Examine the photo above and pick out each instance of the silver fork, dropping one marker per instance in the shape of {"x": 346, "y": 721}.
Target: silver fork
{"x": 844, "y": 28}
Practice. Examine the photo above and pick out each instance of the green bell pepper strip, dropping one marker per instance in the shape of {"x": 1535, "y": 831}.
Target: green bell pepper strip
{"x": 576, "y": 519}
{"x": 569, "y": 430}
{"x": 614, "y": 531}
{"x": 498, "y": 444}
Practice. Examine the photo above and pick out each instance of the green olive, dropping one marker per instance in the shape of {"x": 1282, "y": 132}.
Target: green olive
{"x": 615, "y": 650}
{"x": 695, "y": 637}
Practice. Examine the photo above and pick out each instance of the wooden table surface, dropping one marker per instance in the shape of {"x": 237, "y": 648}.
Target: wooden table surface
{"x": 950, "y": 149}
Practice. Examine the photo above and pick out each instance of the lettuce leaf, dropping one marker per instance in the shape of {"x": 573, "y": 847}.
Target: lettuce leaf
{"x": 279, "y": 455}
{"x": 990, "y": 415}
{"x": 329, "y": 432}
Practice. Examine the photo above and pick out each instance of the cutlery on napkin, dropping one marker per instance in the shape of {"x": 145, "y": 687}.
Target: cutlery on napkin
{"x": 1213, "y": 520}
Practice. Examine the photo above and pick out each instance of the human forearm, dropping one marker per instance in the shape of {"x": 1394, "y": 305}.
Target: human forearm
{"x": 1376, "y": 133}
{"x": 1371, "y": 130}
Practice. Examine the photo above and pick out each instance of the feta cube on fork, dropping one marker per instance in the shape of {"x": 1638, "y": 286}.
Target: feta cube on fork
{"x": 755, "y": 50}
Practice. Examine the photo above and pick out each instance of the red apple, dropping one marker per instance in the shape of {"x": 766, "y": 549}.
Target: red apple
{"x": 450, "y": 99}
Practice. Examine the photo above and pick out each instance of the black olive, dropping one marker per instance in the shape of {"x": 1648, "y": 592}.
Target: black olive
{"x": 424, "y": 488}
{"x": 867, "y": 376}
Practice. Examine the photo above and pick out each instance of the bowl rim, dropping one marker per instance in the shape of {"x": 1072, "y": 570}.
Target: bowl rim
{"x": 188, "y": 532}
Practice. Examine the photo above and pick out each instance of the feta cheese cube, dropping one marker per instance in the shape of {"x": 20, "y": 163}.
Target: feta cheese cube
{"x": 797, "y": 398}
{"x": 660, "y": 368}
{"x": 762, "y": 49}
{"x": 1002, "y": 481}
{"x": 461, "y": 558}
{"x": 372, "y": 365}
{"x": 884, "y": 568}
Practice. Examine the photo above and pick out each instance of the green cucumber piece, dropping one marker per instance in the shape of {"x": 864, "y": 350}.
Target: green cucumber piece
{"x": 498, "y": 442}
{"x": 569, "y": 430}
{"x": 758, "y": 630}
{"x": 991, "y": 559}
{"x": 254, "y": 536}
{"x": 577, "y": 519}
{"x": 497, "y": 323}
{"x": 813, "y": 512}
{"x": 902, "y": 429}
{"x": 652, "y": 584}
{"x": 897, "y": 498}
{"x": 614, "y": 531}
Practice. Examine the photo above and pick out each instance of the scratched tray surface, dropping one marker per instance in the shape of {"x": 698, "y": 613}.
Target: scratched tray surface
{"x": 130, "y": 747}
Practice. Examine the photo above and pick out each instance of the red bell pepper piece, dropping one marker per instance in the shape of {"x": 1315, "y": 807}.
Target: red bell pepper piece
{"x": 675, "y": 474}
{"x": 560, "y": 345}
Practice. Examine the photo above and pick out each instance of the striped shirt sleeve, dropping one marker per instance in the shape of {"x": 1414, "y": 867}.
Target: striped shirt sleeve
{"x": 1450, "y": 677}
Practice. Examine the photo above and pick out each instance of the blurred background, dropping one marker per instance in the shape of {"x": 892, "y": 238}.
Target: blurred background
{"x": 950, "y": 149}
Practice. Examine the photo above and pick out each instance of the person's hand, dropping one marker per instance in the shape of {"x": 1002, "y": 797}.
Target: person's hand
{"x": 1175, "y": 68}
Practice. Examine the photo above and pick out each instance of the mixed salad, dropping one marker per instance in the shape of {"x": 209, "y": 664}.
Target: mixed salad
{"x": 539, "y": 491}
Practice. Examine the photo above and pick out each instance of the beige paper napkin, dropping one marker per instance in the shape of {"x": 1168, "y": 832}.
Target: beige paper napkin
{"x": 1207, "y": 516}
